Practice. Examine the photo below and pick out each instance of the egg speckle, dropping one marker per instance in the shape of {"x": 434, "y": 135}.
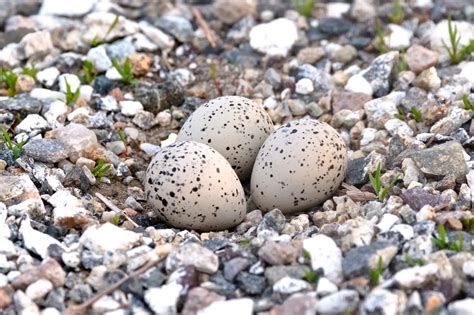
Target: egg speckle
{"x": 235, "y": 126}
{"x": 191, "y": 186}
{"x": 299, "y": 166}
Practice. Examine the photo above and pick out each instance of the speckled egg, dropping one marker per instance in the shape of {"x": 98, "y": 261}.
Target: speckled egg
{"x": 299, "y": 166}
{"x": 191, "y": 186}
{"x": 235, "y": 126}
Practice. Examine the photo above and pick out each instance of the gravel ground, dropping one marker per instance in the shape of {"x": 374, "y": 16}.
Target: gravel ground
{"x": 77, "y": 235}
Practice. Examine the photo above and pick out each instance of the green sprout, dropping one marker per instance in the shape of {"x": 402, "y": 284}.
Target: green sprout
{"x": 311, "y": 276}
{"x": 89, "y": 72}
{"x": 442, "y": 241}
{"x": 401, "y": 114}
{"x": 30, "y": 71}
{"x": 122, "y": 136}
{"x": 116, "y": 219}
{"x": 245, "y": 243}
{"x": 455, "y": 51}
{"x": 468, "y": 105}
{"x": 398, "y": 15}
{"x": 468, "y": 224}
{"x": 376, "y": 182}
{"x": 100, "y": 169}
{"x": 402, "y": 64}
{"x": 304, "y": 7}
{"x": 376, "y": 273}
{"x": 414, "y": 261}
{"x": 215, "y": 78}
{"x": 71, "y": 97}
{"x": 380, "y": 43}
{"x": 15, "y": 149}
{"x": 416, "y": 114}
{"x": 96, "y": 41}
{"x": 125, "y": 71}
{"x": 8, "y": 77}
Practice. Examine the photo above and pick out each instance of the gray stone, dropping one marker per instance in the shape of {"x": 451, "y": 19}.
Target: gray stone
{"x": 156, "y": 98}
{"x": 120, "y": 50}
{"x": 273, "y": 220}
{"x": 334, "y": 26}
{"x": 195, "y": 255}
{"x": 45, "y": 150}
{"x": 176, "y": 26}
{"x": 379, "y": 71}
{"x": 234, "y": 266}
{"x": 418, "y": 197}
{"x": 275, "y": 273}
{"x": 339, "y": 302}
{"x": 249, "y": 283}
{"x": 22, "y": 103}
{"x": 320, "y": 78}
{"x": 381, "y": 301}
{"x": 441, "y": 160}
{"x": 360, "y": 260}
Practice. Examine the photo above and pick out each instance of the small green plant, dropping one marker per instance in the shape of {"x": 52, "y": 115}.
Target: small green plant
{"x": 376, "y": 273}
{"x": 96, "y": 41}
{"x": 125, "y": 71}
{"x": 15, "y": 149}
{"x": 89, "y": 72}
{"x": 402, "y": 64}
{"x": 379, "y": 42}
{"x": 30, "y": 71}
{"x": 245, "y": 243}
{"x": 215, "y": 78}
{"x": 398, "y": 15}
{"x": 416, "y": 114}
{"x": 442, "y": 241}
{"x": 376, "y": 182}
{"x": 468, "y": 224}
{"x": 116, "y": 219}
{"x": 304, "y": 7}
{"x": 468, "y": 105}
{"x": 311, "y": 276}
{"x": 122, "y": 136}
{"x": 100, "y": 169}
{"x": 414, "y": 261}
{"x": 9, "y": 78}
{"x": 71, "y": 97}
{"x": 455, "y": 51}
{"x": 401, "y": 114}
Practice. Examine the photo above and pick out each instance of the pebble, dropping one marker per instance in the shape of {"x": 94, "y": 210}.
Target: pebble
{"x": 38, "y": 289}
{"x": 289, "y": 285}
{"x": 229, "y": 12}
{"x": 339, "y": 302}
{"x": 325, "y": 254}
{"x": 416, "y": 277}
{"x": 304, "y": 86}
{"x": 428, "y": 80}
{"x": 334, "y": 26}
{"x": 296, "y": 304}
{"x": 242, "y": 306}
{"x": 274, "y": 38}
{"x": 432, "y": 161}
{"x": 77, "y": 139}
{"x": 199, "y": 298}
{"x": 158, "y": 37}
{"x": 420, "y": 58}
{"x": 176, "y": 26}
{"x": 378, "y": 73}
{"x": 381, "y": 110}
{"x": 193, "y": 254}
{"x": 57, "y": 7}
{"x": 45, "y": 150}
{"x": 163, "y": 300}
{"x": 108, "y": 237}
{"x": 384, "y": 301}
{"x": 399, "y": 37}
{"x": 280, "y": 253}
{"x": 130, "y": 108}
{"x": 37, "y": 44}
{"x": 22, "y": 196}
{"x": 31, "y": 123}
{"x": 99, "y": 58}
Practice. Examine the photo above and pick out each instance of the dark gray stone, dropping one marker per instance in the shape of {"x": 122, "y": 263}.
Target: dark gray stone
{"x": 75, "y": 177}
{"x": 441, "y": 160}
{"x": 120, "y": 50}
{"x": 251, "y": 284}
{"x": 417, "y": 197}
{"x": 45, "y": 150}
{"x": 234, "y": 267}
{"x": 378, "y": 74}
{"x": 176, "y": 26}
{"x": 158, "y": 97}
{"x": 22, "y": 103}
{"x": 357, "y": 171}
{"x": 275, "y": 273}
{"x": 273, "y": 220}
{"x": 103, "y": 85}
{"x": 334, "y": 26}
{"x": 358, "y": 260}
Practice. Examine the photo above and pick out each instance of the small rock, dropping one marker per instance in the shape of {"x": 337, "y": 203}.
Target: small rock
{"x": 242, "y": 306}
{"x": 158, "y": 37}
{"x": 378, "y": 73}
{"x": 399, "y": 37}
{"x": 296, "y": 304}
{"x": 20, "y": 195}
{"x": 384, "y": 302}
{"x": 428, "y": 80}
{"x": 58, "y": 7}
{"x": 195, "y": 255}
{"x": 199, "y": 298}
{"x": 163, "y": 300}
{"x": 325, "y": 254}
{"x": 416, "y": 277}
{"x": 78, "y": 140}
{"x": 289, "y": 285}
{"x": 178, "y": 26}
{"x": 48, "y": 76}
{"x": 38, "y": 289}
{"x": 418, "y": 197}
{"x": 99, "y": 58}
{"x": 334, "y": 26}
{"x": 441, "y": 160}
{"x": 22, "y": 103}
{"x": 30, "y": 123}
{"x": 24, "y": 83}
{"x": 275, "y": 38}
{"x": 339, "y": 302}
{"x": 71, "y": 79}
{"x": 229, "y": 11}
{"x": 130, "y": 108}
{"x": 273, "y": 220}
{"x": 279, "y": 253}
{"x": 348, "y": 100}
{"x": 250, "y": 283}
{"x": 420, "y": 58}
{"x": 45, "y": 150}
{"x": 37, "y": 44}
{"x": 49, "y": 269}
{"x": 325, "y": 287}
{"x": 304, "y": 86}
{"x": 156, "y": 98}
{"x": 108, "y": 237}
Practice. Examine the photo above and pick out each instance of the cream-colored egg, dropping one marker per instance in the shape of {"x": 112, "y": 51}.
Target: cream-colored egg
{"x": 191, "y": 186}
{"x": 298, "y": 167}
{"x": 235, "y": 126}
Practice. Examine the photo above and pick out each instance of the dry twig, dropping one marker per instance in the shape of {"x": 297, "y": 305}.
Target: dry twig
{"x": 161, "y": 253}
{"x": 358, "y": 195}
{"x": 205, "y": 27}
{"x": 114, "y": 208}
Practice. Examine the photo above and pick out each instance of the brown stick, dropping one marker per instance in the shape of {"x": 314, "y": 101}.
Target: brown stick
{"x": 205, "y": 27}
{"x": 114, "y": 208}
{"x": 162, "y": 253}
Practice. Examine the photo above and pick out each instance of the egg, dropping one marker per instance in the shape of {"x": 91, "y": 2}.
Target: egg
{"x": 235, "y": 126}
{"x": 298, "y": 167}
{"x": 191, "y": 186}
